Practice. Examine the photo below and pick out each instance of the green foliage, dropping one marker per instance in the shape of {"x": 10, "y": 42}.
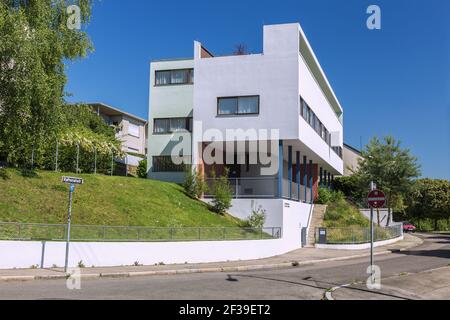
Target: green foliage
{"x": 194, "y": 184}
{"x": 222, "y": 193}
{"x": 340, "y": 213}
{"x": 142, "y": 169}
{"x": 353, "y": 188}
{"x": 34, "y": 43}
{"x": 392, "y": 168}
{"x": 257, "y": 218}
{"x": 430, "y": 199}
{"x": 327, "y": 196}
{"x": 4, "y": 174}
{"x": 104, "y": 200}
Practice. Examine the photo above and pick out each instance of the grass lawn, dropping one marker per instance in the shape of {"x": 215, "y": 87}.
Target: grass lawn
{"x": 103, "y": 200}
{"x": 346, "y": 224}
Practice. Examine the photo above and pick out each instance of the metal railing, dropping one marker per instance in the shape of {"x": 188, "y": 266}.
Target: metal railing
{"x": 241, "y": 188}
{"x": 262, "y": 187}
{"x": 358, "y": 235}
{"x": 57, "y": 232}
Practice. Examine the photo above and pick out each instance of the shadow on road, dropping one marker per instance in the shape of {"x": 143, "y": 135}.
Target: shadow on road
{"x": 327, "y": 285}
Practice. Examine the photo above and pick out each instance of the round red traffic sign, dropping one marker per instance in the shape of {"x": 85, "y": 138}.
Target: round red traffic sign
{"x": 376, "y": 199}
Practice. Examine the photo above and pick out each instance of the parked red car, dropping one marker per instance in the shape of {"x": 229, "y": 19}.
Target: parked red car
{"x": 408, "y": 227}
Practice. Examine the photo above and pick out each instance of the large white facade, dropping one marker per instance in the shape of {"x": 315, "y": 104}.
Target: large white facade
{"x": 284, "y": 77}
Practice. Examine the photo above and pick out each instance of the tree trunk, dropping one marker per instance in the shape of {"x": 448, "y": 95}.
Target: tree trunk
{"x": 378, "y": 217}
{"x": 436, "y": 224}
{"x": 388, "y": 223}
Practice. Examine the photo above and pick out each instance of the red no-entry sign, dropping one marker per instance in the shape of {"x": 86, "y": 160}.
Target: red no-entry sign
{"x": 376, "y": 199}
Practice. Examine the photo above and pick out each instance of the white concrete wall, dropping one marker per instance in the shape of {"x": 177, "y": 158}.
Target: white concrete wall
{"x": 23, "y": 254}
{"x": 272, "y": 75}
{"x": 362, "y": 246}
{"x": 289, "y": 215}
{"x": 316, "y": 100}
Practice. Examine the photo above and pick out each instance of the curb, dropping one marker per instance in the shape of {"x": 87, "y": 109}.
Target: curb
{"x": 283, "y": 265}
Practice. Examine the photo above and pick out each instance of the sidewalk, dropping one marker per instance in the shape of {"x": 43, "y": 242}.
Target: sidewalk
{"x": 428, "y": 285}
{"x": 295, "y": 258}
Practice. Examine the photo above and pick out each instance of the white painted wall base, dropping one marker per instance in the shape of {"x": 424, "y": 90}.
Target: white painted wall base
{"x": 24, "y": 254}
{"x": 357, "y": 246}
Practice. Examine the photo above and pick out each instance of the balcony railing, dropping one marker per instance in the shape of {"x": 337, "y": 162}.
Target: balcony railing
{"x": 262, "y": 187}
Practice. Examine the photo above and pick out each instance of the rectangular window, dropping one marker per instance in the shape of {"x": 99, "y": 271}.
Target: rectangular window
{"x": 174, "y": 77}
{"x": 133, "y": 130}
{"x": 238, "y": 105}
{"x": 166, "y": 164}
{"x": 171, "y": 125}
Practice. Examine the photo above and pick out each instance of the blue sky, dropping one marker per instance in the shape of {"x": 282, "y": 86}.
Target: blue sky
{"x": 393, "y": 81}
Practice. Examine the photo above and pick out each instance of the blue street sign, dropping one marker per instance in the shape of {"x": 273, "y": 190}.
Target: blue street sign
{"x": 72, "y": 188}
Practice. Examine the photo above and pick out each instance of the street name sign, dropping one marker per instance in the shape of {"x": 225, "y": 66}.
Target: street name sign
{"x": 72, "y": 180}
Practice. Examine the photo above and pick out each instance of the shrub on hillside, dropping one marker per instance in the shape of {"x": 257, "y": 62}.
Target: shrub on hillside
{"x": 194, "y": 184}
{"x": 4, "y": 174}
{"x": 327, "y": 196}
{"x": 142, "y": 169}
{"x": 222, "y": 194}
{"x": 340, "y": 213}
{"x": 257, "y": 218}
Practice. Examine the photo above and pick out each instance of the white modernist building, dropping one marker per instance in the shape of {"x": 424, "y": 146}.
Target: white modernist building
{"x": 271, "y": 119}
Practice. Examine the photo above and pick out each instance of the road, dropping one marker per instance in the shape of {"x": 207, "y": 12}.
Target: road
{"x": 306, "y": 282}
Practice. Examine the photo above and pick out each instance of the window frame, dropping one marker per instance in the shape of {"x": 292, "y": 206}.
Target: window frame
{"x": 237, "y": 113}
{"x": 187, "y": 124}
{"x": 189, "y": 77}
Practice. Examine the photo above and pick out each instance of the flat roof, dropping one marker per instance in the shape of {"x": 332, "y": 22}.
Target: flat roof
{"x": 112, "y": 111}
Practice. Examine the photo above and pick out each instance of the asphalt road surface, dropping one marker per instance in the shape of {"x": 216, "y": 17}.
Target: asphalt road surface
{"x": 305, "y": 282}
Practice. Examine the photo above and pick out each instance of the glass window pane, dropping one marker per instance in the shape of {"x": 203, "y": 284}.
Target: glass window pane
{"x": 179, "y": 76}
{"x": 248, "y": 105}
{"x": 227, "y": 106}
{"x": 162, "y": 77}
{"x": 161, "y": 126}
{"x": 177, "y": 124}
{"x": 191, "y": 76}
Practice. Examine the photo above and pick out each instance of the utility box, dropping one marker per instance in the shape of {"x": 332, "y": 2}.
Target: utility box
{"x": 322, "y": 235}
{"x": 304, "y": 238}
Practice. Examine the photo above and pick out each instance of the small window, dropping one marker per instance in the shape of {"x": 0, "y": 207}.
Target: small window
{"x": 133, "y": 130}
{"x": 238, "y": 105}
{"x": 174, "y": 77}
{"x": 166, "y": 164}
{"x": 171, "y": 125}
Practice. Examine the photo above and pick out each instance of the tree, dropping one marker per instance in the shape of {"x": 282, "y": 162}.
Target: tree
{"x": 430, "y": 199}
{"x": 194, "y": 183}
{"x": 240, "y": 50}
{"x": 222, "y": 192}
{"x": 392, "y": 168}
{"x": 142, "y": 169}
{"x": 35, "y": 40}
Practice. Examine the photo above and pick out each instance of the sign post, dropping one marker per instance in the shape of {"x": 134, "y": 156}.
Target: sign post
{"x": 72, "y": 182}
{"x": 376, "y": 200}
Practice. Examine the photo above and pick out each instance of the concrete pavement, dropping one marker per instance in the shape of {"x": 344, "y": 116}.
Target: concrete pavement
{"x": 308, "y": 281}
{"x": 299, "y": 257}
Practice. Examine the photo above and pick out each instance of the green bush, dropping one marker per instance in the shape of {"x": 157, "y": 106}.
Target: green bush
{"x": 257, "y": 218}
{"x": 327, "y": 196}
{"x": 340, "y": 213}
{"x": 194, "y": 184}
{"x": 324, "y": 196}
{"x": 222, "y": 194}
{"x": 4, "y": 174}
{"x": 142, "y": 169}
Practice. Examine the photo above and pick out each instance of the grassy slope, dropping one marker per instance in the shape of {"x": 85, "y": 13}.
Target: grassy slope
{"x": 341, "y": 213}
{"x": 103, "y": 200}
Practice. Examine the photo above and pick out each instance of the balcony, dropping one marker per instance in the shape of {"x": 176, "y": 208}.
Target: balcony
{"x": 263, "y": 188}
